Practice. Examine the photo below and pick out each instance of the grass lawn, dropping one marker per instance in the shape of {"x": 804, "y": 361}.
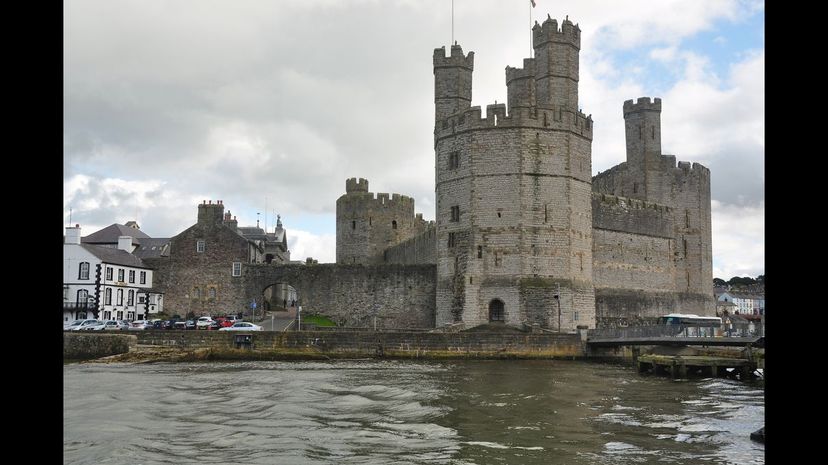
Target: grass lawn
{"x": 317, "y": 320}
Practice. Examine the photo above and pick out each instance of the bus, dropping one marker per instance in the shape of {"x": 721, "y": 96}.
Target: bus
{"x": 689, "y": 325}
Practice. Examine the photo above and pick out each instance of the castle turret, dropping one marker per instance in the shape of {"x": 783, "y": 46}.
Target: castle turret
{"x": 556, "y": 64}
{"x": 642, "y": 122}
{"x": 354, "y": 185}
{"x": 520, "y": 86}
{"x": 452, "y": 81}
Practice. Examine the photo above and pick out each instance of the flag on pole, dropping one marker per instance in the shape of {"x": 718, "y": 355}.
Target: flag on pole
{"x": 533, "y": 3}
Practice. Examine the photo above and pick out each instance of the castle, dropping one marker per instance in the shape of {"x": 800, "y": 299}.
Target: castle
{"x": 524, "y": 234}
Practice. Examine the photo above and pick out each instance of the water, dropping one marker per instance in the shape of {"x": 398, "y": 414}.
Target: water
{"x": 402, "y": 412}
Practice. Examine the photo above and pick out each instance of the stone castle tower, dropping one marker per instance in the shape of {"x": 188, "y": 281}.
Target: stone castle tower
{"x": 513, "y": 191}
{"x": 683, "y": 191}
{"x": 366, "y": 226}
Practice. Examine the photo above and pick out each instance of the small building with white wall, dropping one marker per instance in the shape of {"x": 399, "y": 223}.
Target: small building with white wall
{"x": 106, "y": 283}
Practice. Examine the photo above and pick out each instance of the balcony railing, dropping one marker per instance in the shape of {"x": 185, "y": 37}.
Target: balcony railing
{"x": 78, "y": 305}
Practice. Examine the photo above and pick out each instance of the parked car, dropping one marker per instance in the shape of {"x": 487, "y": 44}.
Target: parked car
{"x": 181, "y": 324}
{"x": 204, "y": 322}
{"x": 232, "y": 319}
{"x": 98, "y": 325}
{"x": 190, "y": 324}
{"x": 114, "y": 325}
{"x": 242, "y": 326}
{"x": 140, "y": 325}
{"x": 82, "y": 325}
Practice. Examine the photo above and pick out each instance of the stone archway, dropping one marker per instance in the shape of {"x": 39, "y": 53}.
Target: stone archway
{"x": 496, "y": 311}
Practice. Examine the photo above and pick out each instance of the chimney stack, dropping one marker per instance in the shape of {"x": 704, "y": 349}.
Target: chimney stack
{"x": 73, "y": 234}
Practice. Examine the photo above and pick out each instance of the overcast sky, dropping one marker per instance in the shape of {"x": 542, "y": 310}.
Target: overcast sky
{"x": 276, "y": 103}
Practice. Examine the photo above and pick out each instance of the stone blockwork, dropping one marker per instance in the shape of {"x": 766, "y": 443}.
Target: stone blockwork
{"x": 353, "y": 295}
{"x": 397, "y": 343}
{"x": 418, "y": 250}
{"x": 514, "y": 196}
{"x": 77, "y": 346}
{"x": 201, "y": 280}
{"x": 366, "y": 225}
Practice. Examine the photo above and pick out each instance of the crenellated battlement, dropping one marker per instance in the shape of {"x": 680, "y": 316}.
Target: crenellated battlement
{"x": 456, "y": 59}
{"x": 528, "y": 71}
{"x": 643, "y": 104}
{"x": 354, "y": 185}
{"x": 496, "y": 117}
{"x": 547, "y": 32}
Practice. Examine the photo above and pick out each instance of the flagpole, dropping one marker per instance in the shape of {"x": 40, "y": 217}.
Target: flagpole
{"x": 530, "y": 30}
{"x": 452, "y": 22}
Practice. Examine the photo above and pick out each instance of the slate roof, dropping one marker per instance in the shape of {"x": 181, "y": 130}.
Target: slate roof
{"x": 109, "y": 235}
{"x": 152, "y": 248}
{"x": 114, "y": 256}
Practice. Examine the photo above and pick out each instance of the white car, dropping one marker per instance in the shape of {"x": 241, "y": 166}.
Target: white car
{"x": 242, "y": 326}
{"x": 80, "y": 325}
{"x": 204, "y": 322}
{"x": 96, "y": 325}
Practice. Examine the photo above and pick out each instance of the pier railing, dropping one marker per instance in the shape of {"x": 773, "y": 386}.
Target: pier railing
{"x": 660, "y": 331}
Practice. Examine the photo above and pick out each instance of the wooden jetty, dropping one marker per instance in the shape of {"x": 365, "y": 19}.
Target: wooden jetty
{"x": 682, "y": 366}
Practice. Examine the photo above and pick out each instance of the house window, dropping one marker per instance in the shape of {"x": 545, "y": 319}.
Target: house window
{"x": 119, "y": 300}
{"x": 454, "y": 160}
{"x": 65, "y": 293}
{"x": 83, "y": 296}
{"x": 131, "y": 298}
{"x": 107, "y": 315}
{"x": 119, "y": 315}
{"x": 109, "y": 273}
{"x": 108, "y": 296}
{"x": 211, "y": 292}
{"x": 236, "y": 268}
{"x": 121, "y": 274}
{"x": 132, "y": 276}
{"x": 131, "y": 316}
{"x": 143, "y": 277}
{"x": 455, "y": 213}
{"x": 451, "y": 240}
{"x": 141, "y": 298}
{"x": 200, "y": 246}
{"x": 83, "y": 270}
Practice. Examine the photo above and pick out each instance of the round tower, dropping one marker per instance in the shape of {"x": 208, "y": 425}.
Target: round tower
{"x": 642, "y": 124}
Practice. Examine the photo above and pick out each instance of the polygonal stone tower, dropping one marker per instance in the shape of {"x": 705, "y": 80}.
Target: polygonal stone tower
{"x": 514, "y": 218}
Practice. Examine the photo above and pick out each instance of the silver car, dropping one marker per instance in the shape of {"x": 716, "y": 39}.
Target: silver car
{"x": 81, "y": 325}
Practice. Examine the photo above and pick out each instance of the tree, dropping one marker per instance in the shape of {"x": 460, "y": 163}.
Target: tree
{"x": 745, "y": 281}
{"x": 719, "y": 282}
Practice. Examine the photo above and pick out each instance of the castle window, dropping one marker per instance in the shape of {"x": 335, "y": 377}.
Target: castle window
{"x": 653, "y": 131}
{"x": 575, "y": 316}
{"x": 545, "y": 122}
{"x": 471, "y": 280}
{"x": 635, "y": 188}
{"x": 109, "y": 273}
{"x": 236, "y": 269}
{"x": 455, "y": 213}
{"x": 496, "y": 310}
{"x": 394, "y": 224}
{"x": 83, "y": 270}
{"x": 454, "y": 160}
{"x": 211, "y": 292}
{"x": 451, "y": 240}
{"x": 639, "y": 132}
{"x": 108, "y": 296}
{"x": 200, "y": 246}
{"x": 497, "y": 259}
{"x": 545, "y": 213}
{"x": 685, "y": 247}
{"x": 132, "y": 276}
{"x": 369, "y": 221}
{"x": 498, "y": 214}
{"x": 196, "y": 292}
{"x": 353, "y": 224}
{"x": 479, "y": 251}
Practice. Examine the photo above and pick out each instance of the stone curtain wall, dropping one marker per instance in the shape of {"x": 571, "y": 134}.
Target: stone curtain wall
{"x": 419, "y": 250}
{"x": 89, "y": 346}
{"x": 369, "y": 343}
{"x": 352, "y": 295}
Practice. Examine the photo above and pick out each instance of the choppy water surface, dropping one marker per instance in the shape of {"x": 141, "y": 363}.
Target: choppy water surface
{"x": 400, "y": 412}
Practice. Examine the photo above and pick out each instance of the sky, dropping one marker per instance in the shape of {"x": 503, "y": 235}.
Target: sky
{"x": 270, "y": 106}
